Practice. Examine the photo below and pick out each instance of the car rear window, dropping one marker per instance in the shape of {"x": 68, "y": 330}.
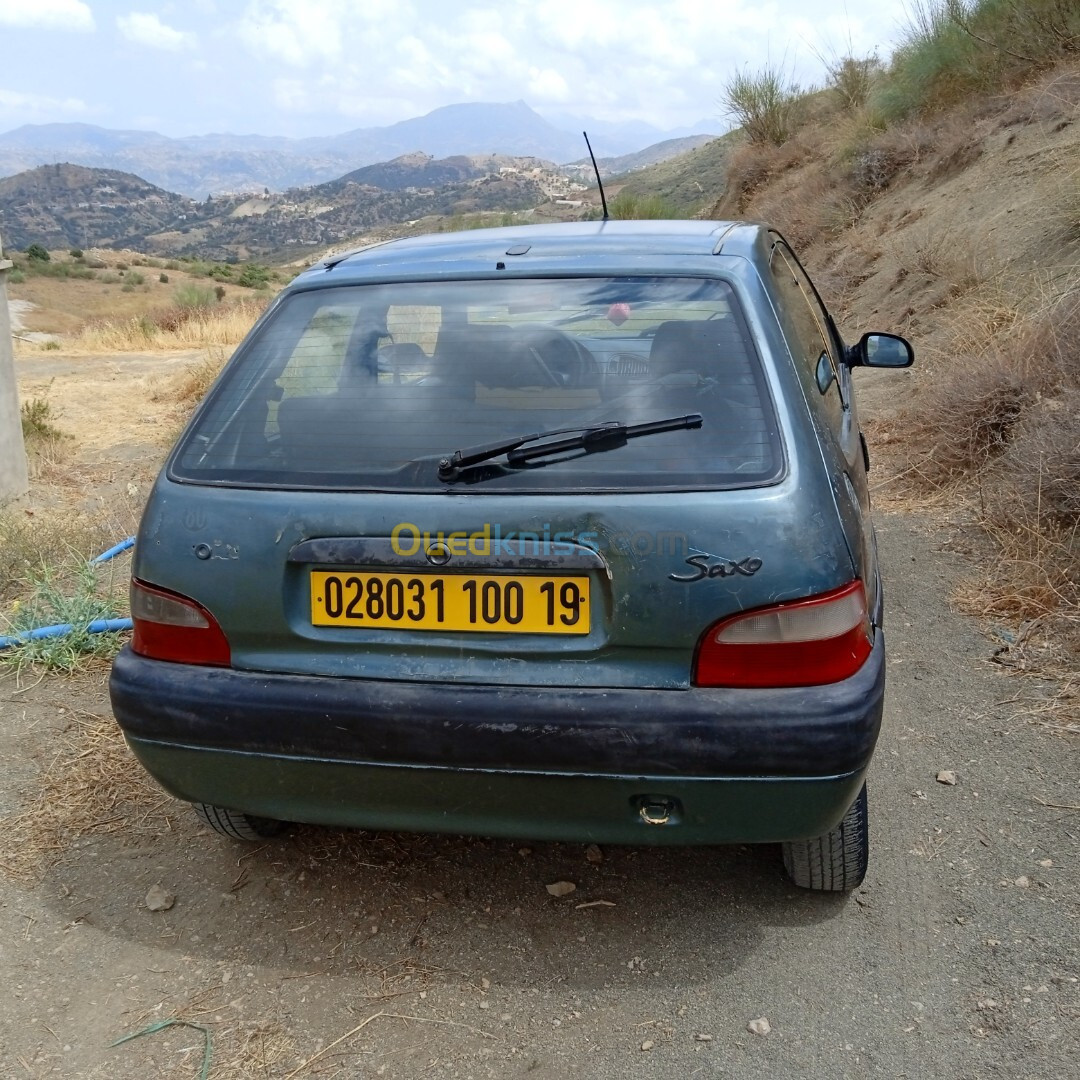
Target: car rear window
{"x": 369, "y": 387}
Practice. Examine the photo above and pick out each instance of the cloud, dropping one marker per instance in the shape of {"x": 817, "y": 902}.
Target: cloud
{"x": 291, "y": 95}
{"x": 47, "y": 14}
{"x": 145, "y": 28}
{"x": 667, "y": 63}
{"x": 316, "y": 32}
{"x": 32, "y": 107}
{"x": 547, "y": 86}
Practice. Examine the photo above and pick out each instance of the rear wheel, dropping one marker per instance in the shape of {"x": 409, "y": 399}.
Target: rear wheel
{"x": 835, "y": 862}
{"x": 238, "y": 826}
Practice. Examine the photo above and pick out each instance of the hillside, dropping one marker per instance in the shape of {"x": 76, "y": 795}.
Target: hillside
{"x": 688, "y": 183}
{"x": 424, "y": 171}
{"x": 943, "y": 203}
{"x": 60, "y": 206}
{"x": 293, "y": 224}
{"x": 651, "y": 155}
{"x": 69, "y": 205}
{"x": 202, "y": 165}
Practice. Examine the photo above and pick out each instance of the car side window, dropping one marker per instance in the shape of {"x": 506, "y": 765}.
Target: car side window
{"x": 809, "y": 334}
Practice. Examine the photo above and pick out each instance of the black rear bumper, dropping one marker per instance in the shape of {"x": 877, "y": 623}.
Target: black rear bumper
{"x": 803, "y": 732}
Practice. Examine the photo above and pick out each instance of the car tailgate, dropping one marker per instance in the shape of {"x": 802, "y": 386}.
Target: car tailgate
{"x": 611, "y": 590}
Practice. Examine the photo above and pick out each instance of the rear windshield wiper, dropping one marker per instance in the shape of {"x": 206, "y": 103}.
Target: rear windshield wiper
{"x": 606, "y": 436}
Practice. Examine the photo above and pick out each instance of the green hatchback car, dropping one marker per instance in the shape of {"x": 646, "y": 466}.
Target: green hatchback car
{"x": 557, "y": 532}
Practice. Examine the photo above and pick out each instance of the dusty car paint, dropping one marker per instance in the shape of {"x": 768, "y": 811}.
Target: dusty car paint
{"x": 549, "y": 736}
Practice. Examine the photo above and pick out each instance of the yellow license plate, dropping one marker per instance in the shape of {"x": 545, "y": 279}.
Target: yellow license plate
{"x": 488, "y": 602}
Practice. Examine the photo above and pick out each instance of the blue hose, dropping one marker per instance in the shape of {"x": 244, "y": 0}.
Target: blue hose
{"x": 115, "y": 550}
{"x": 98, "y": 626}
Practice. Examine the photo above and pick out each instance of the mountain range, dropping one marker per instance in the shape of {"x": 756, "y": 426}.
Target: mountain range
{"x": 202, "y": 165}
{"x": 63, "y": 206}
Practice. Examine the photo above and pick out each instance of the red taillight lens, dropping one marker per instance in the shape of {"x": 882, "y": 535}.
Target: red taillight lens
{"x": 172, "y": 627}
{"x": 802, "y": 643}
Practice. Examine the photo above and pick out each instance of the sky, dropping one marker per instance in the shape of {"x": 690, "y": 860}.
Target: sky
{"x": 319, "y": 67}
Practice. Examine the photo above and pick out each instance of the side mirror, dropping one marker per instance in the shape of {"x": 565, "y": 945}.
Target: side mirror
{"x": 881, "y": 350}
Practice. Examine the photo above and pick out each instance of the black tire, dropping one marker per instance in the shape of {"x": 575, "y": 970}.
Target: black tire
{"x": 238, "y": 826}
{"x": 835, "y": 862}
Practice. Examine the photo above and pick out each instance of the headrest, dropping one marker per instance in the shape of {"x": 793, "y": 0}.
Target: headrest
{"x": 691, "y": 345}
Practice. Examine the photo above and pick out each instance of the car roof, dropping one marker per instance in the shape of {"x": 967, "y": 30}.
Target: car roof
{"x": 531, "y": 244}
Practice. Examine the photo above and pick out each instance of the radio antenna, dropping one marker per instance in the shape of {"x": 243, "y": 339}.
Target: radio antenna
{"x": 603, "y": 199}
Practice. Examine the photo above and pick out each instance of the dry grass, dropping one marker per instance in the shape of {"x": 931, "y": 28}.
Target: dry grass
{"x": 843, "y": 268}
{"x": 947, "y": 255}
{"x": 1031, "y": 509}
{"x": 753, "y": 166}
{"x": 198, "y": 378}
{"x": 31, "y": 540}
{"x": 1001, "y": 356}
{"x": 239, "y": 1049}
{"x": 851, "y": 79}
{"x": 181, "y": 393}
{"x": 173, "y": 328}
{"x": 878, "y": 157}
{"x": 999, "y": 430}
{"x": 808, "y": 205}
{"x": 93, "y": 785}
{"x": 68, "y": 305}
{"x": 46, "y": 444}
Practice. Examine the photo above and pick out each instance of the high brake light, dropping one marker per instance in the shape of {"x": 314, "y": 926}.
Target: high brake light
{"x": 168, "y": 626}
{"x": 801, "y": 643}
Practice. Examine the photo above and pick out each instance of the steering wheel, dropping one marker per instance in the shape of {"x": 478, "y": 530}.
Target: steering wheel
{"x": 557, "y": 356}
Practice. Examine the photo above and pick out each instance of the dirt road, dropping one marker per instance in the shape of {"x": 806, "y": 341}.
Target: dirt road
{"x": 356, "y": 955}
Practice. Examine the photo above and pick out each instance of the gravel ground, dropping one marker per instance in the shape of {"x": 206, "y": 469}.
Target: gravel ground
{"x": 17, "y": 311}
{"x": 326, "y": 954}
{"x": 447, "y": 957}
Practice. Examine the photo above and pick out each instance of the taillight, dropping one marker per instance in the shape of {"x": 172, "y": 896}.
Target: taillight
{"x": 172, "y": 627}
{"x": 802, "y": 643}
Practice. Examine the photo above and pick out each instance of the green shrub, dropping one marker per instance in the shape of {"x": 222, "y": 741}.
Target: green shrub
{"x": 57, "y": 269}
{"x": 221, "y": 272}
{"x": 953, "y": 48}
{"x": 16, "y": 277}
{"x": 76, "y": 253}
{"x": 853, "y": 80}
{"x": 36, "y": 253}
{"x": 163, "y": 278}
{"x": 629, "y": 207}
{"x": 135, "y": 278}
{"x": 65, "y": 595}
{"x": 172, "y": 264}
{"x": 765, "y": 104}
{"x": 37, "y": 416}
{"x": 936, "y": 64}
{"x": 190, "y": 295}
{"x": 109, "y": 278}
{"x": 254, "y": 276}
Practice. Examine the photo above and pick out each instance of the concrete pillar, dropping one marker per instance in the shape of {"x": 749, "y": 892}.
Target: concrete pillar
{"x": 13, "y": 476}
